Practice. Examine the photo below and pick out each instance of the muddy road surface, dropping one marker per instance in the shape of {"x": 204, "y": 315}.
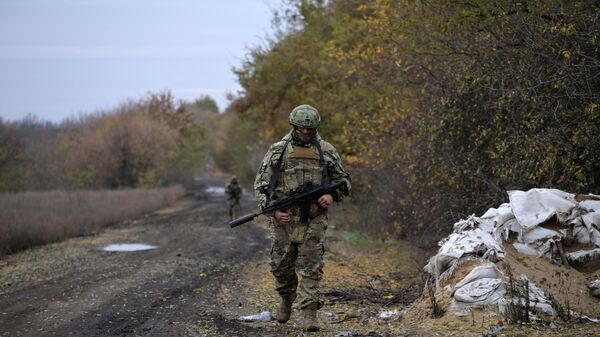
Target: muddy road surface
{"x": 74, "y": 288}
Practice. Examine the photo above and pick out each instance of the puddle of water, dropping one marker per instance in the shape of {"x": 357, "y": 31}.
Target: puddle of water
{"x": 127, "y": 247}
{"x": 215, "y": 190}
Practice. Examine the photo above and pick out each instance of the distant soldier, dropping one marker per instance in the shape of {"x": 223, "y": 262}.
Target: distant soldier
{"x": 234, "y": 193}
{"x": 301, "y": 159}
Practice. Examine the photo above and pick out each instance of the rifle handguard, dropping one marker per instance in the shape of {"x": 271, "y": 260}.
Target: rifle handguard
{"x": 292, "y": 200}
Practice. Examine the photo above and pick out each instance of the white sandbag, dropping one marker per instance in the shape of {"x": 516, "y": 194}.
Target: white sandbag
{"x": 485, "y": 291}
{"x": 498, "y": 215}
{"x": 548, "y": 250}
{"x": 502, "y": 232}
{"x": 595, "y": 237}
{"x": 438, "y": 264}
{"x": 591, "y": 219}
{"x": 465, "y": 224}
{"x": 487, "y": 270}
{"x": 488, "y": 222}
{"x": 537, "y": 300}
{"x": 595, "y": 288}
{"x": 584, "y": 256}
{"x": 590, "y": 205}
{"x": 539, "y": 307}
{"x": 537, "y": 205}
{"x": 539, "y": 234}
{"x": 581, "y": 233}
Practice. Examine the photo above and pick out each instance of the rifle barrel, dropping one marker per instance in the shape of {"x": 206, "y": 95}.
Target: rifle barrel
{"x": 242, "y": 220}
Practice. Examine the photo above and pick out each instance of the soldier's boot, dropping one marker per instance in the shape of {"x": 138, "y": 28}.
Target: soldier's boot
{"x": 310, "y": 318}
{"x": 285, "y": 307}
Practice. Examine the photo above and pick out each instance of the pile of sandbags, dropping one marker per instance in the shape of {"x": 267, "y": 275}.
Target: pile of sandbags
{"x": 540, "y": 222}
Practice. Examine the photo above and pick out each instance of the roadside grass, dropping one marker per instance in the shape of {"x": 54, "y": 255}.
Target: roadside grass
{"x": 356, "y": 237}
{"x": 34, "y": 218}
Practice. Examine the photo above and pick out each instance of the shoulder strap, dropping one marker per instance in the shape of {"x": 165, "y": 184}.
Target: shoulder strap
{"x": 276, "y": 172}
{"x": 322, "y": 162}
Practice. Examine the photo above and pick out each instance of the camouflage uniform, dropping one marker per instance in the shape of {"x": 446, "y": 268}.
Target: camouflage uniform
{"x": 234, "y": 192}
{"x": 299, "y": 247}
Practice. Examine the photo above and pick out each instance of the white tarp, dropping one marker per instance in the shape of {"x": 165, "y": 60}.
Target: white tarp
{"x": 537, "y": 205}
{"x": 473, "y": 241}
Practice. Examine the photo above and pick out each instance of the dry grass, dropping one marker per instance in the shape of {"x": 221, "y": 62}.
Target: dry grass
{"x": 34, "y": 218}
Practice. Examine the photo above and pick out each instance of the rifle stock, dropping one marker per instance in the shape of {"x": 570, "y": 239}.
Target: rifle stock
{"x": 294, "y": 199}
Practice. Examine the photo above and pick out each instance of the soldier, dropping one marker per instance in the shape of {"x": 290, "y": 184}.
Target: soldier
{"x": 301, "y": 158}
{"x": 234, "y": 192}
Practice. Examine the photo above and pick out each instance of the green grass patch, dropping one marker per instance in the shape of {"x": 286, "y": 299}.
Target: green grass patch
{"x": 357, "y": 237}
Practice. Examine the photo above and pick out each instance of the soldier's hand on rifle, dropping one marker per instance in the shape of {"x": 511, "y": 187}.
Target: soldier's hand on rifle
{"x": 325, "y": 200}
{"x": 282, "y": 217}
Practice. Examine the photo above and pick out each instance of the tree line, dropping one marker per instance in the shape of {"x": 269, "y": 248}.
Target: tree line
{"x": 148, "y": 142}
{"x": 438, "y": 107}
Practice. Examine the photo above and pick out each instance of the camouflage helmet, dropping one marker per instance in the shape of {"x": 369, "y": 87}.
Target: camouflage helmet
{"x": 305, "y": 116}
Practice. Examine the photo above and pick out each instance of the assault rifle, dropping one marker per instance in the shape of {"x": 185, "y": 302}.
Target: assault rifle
{"x": 303, "y": 196}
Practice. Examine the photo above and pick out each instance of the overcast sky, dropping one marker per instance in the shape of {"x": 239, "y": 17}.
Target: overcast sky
{"x": 60, "y": 58}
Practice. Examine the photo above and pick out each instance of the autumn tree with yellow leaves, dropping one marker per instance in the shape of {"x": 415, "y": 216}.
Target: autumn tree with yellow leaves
{"x": 149, "y": 142}
{"x": 438, "y": 107}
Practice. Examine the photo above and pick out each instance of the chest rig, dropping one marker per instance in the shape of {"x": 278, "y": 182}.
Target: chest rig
{"x": 304, "y": 169}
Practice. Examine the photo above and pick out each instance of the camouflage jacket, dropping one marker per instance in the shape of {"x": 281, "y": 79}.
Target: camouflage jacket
{"x": 233, "y": 190}
{"x": 335, "y": 169}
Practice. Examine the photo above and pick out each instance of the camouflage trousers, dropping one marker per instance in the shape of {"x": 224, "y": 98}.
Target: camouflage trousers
{"x": 234, "y": 207}
{"x": 302, "y": 255}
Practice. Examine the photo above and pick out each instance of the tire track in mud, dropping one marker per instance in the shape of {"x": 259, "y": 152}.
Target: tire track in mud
{"x": 168, "y": 291}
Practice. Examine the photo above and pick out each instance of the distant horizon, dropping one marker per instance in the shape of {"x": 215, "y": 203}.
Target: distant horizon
{"x": 64, "y": 59}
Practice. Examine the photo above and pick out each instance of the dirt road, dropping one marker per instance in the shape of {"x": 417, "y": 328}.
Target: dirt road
{"x": 73, "y": 288}
{"x": 201, "y": 277}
